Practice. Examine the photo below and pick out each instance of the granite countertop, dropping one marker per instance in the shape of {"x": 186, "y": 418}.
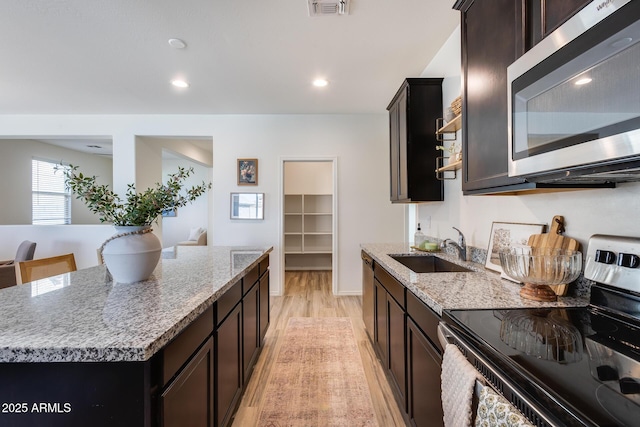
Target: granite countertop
{"x": 85, "y": 317}
{"x": 480, "y": 288}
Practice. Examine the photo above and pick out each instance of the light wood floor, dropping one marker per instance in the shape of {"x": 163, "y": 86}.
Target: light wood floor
{"x": 308, "y": 294}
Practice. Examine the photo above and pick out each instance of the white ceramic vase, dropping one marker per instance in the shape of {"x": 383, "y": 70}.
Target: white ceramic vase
{"x": 132, "y": 258}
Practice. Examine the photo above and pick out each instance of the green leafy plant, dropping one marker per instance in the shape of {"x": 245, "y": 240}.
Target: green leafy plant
{"x": 139, "y": 209}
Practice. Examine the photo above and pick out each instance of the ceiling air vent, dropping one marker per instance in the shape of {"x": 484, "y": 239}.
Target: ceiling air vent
{"x": 328, "y": 7}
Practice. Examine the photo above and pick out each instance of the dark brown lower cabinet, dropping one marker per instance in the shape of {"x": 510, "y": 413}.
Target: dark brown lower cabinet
{"x": 188, "y": 400}
{"x": 228, "y": 366}
{"x": 424, "y": 406}
{"x": 404, "y": 336}
{"x": 389, "y": 334}
{"x": 397, "y": 366}
{"x": 381, "y": 329}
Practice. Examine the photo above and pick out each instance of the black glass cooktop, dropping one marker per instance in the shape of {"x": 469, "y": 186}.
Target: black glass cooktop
{"x": 581, "y": 360}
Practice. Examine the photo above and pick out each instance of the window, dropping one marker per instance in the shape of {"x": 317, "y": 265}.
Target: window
{"x": 51, "y": 200}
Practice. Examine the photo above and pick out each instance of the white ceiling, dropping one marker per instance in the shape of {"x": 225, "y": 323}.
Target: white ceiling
{"x": 242, "y": 56}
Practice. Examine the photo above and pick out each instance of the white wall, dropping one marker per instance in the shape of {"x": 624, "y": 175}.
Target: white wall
{"x": 51, "y": 240}
{"x": 176, "y": 229}
{"x": 360, "y": 142}
{"x": 586, "y": 212}
{"x": 15, "y": 162}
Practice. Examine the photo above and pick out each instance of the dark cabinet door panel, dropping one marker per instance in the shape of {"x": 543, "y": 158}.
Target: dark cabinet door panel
{"x": 228, "y": 366}
{"x": 487, "y": 51}
{"x": 188, "y": 400}
{"x": 381, "y": 328}
{"x": 397, "y": 364}
{"x": 412, "y": 116}
{"x": 250, "y": 307}
{"x": 423, "y": 366}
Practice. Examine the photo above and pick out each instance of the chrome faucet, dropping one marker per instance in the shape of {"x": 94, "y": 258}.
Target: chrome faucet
{"x": 461, "y": 246}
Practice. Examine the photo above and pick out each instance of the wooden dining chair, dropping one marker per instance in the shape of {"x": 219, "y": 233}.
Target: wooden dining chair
{"x": 28, "y": 271}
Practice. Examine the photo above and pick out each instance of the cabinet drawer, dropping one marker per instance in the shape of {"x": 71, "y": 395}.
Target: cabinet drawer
{"x": 395, "y": 288}
{"x": 264, "y": 266}
{"x": 180, "y": 349}
{"x": 226, "y": 302}
{"x": 424, "y": 317}
{"x": 250, "y": 279}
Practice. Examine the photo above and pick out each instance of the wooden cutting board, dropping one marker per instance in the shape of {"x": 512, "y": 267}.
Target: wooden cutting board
{"x": 555, "y": 239}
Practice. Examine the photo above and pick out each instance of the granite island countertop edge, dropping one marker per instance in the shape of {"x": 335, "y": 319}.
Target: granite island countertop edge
{"x": 15, "y": 348}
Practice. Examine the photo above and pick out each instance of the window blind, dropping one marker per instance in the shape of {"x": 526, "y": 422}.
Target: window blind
{"x": 51, "y": 201}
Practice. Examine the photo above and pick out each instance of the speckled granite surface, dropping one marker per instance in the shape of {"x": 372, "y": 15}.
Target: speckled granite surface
{"x": 479, "y": 288}
{"x": 82, "y": 316}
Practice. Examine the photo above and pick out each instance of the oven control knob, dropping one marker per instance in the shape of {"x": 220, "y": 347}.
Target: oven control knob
{"x": 605, "y": 257}
{"x": 607, "y": 373}
{"x": 628, "y": 260}
{"x": 629, "y": 385}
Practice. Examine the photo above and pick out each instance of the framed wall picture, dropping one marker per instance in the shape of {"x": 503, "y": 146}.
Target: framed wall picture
{"x": 505, "y": 235}
{"x": 247, "y": 205}
{"x": 247, "y": 171}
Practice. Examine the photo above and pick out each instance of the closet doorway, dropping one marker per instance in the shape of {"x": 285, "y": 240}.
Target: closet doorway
{"x": 309, "y": 200}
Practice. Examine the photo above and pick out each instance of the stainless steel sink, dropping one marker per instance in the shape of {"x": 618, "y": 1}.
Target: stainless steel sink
{"x": 428, "y": 264}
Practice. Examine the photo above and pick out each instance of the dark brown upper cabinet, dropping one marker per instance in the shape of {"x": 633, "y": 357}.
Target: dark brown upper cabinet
{"x": 494, "y": 34}
{"x": 542, "y": 17}
{"x": 489, "y": 39}
{"x": 412, "y": 116}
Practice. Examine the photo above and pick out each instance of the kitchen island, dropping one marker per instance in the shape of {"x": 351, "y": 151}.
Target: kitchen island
{"x": 78, "y": 349}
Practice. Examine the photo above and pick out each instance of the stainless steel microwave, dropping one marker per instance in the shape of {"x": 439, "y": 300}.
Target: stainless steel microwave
{"x": 574, "y": 100}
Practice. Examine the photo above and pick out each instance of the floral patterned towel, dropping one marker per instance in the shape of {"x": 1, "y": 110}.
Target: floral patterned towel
{"x": 495, "y": 411}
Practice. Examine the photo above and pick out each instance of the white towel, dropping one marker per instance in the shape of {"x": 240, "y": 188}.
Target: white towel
{"x": 458, "y": 382}
{"x": 494, "y": 410}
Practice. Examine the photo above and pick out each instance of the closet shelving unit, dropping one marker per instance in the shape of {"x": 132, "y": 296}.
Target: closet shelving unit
{"x": 308, "y": 235}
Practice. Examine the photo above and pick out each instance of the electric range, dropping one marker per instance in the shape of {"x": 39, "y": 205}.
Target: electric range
{"x": 566, "y": 366}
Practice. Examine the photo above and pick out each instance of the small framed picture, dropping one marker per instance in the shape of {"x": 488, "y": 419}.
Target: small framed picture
{"x": 505, "y": 235}
{"x": 247, "y": 171}
{"x": 247, "y": 205}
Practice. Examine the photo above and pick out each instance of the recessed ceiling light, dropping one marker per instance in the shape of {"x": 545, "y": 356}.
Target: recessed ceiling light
{"x": 583, "y": 81}
{"x": 179, "y": 83}
{"x": 177, "y": 43}
{"x": 320, "y": 82}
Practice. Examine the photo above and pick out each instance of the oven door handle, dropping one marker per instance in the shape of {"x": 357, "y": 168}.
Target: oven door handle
{"x": 443, "y": 335}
